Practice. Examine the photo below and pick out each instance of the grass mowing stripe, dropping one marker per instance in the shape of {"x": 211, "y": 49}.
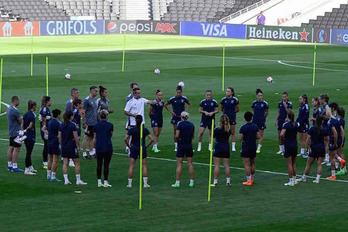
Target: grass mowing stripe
{"x": 204, "y": 164}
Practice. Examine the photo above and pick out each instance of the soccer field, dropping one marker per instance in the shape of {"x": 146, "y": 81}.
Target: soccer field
{"x": 34, "y": 204}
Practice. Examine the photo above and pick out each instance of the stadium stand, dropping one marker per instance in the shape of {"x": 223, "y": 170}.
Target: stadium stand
{"x": 204, "y": 10}
{"x": 19, "y": 10}
{"x": 336, "y": 19}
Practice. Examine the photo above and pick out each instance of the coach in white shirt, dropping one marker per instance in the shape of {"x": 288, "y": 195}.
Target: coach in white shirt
{"x": 136, "y": 106}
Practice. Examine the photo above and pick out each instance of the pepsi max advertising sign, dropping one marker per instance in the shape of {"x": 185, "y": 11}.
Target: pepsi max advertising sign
{"x": 321, "y": 35}
{"x": 142, "y": 27}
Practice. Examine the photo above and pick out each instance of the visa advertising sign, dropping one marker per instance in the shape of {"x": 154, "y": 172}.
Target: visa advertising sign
{"x": 10, "y": 29}
{"x": 73, "y": 27}
{"x": 213, "y": 30}
{"x": 339, "y": 37}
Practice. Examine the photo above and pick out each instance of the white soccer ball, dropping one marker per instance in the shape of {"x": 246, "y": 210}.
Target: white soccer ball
{"x": 67, "y": 76}
{"x": 157, "y": 71}
{"x": 269, "y": 79}
{"x": 182, "y": 84}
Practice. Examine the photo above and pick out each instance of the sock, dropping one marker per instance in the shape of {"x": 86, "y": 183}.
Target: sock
{"x": 176, "y": 145}
{"x": 259, "y": 147}
{"x": 99, "y": 181}
{"x": 290, "y": 180}
{"x": 327, "y": 157}
{"x": 177, "y": 182}
{"x": 93, "y": 151}
{"x": 294, "y": 179}
{"x": 199, "y": 145}
{"x": 48, "y": 173}
{"x": 66, "y": 177}
{"x": 155, "y": 146}
{"x": 333, "y": 173}
{"x": 145, "y": 180}
{"x": 192, "y": 181}
{"x": 233, "y": 145}
{"x": 53, "y": 176}
{"x": 26, "y": 170}
{"x": 336, "y": 165}
{"x": 249, "y": 178}
{"x": 283, "y": 148}
{"x": 228, "y": 180}
{"x": 252, "y": 176}
{"x": 45, "y": 163}
{"x": 280, "y": 147}
{"x": 78, "y": 178}
{"x": 9, "y": 163}
{"x": 130, "y": 181}
{"x": 318, "y": 176}
{"x": 209, "y": 148}
{"x": 302, "y": 151}
{"x": 106, "y": 182}
{"x": 339, "y": 159}
{"x": 84, "y": 154}
{"x": 304, "y": 176}
{"x": 14, "y": 165}
{"x": 215, "y": 181}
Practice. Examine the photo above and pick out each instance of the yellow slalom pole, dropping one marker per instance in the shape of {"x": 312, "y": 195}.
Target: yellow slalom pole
{"x": 141, "y": 166}
{"x": 223, "y": 68}
{"x": 32, "y": 55}
{"x": 46, "y": 76}
{"x": 124, "y": 51}
{"x": 211, "y": 157}
{"x": 315, "y": 56}
{"x": 2, "y": 63}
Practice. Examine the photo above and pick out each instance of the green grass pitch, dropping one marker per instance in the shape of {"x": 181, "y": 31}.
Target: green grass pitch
{"x": 34, "y": 204}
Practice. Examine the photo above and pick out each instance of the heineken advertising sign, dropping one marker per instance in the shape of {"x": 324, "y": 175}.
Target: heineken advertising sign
{"x": 296, "y": 34}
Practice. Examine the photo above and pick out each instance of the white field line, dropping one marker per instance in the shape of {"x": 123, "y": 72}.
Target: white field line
{"x": 205, "y": 164}
{"x": 5, "y": 104}
{"x": 306, "y": 67}
{"x": 246, "y": 58}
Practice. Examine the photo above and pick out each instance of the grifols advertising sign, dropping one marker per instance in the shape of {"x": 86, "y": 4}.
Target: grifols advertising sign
{"x": 142, "y": 27}
{"x": 295, "y": 34}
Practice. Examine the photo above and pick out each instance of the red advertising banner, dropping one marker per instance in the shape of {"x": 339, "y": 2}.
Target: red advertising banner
{"x": 10, "y": 29}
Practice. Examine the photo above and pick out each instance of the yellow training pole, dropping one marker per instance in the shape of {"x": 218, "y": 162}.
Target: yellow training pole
{"x": 46, "y": 76}
{"x": 315, "y": 56}
{"x": 211, "y": 156}
{"x": 141, "y": 166}
{"x": 2, "y": 62}
{"x": 32, "y": 55}
{"x": 124, "y": 51}
{"x": 223, "y": 68}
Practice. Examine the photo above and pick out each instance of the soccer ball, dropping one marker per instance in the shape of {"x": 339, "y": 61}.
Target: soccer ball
{"x": 157, "y": 71}
{"x": 182, "y": 84}
{"x": 269, "y": 79}
{"x": 67, "y": 76}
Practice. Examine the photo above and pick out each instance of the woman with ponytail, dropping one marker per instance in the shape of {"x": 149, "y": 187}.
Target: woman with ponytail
{"x": 29, "y": 127}
{"x": 303, "y": 122}
{"x": 45, "y": 117}
{"x": 70, "y": 145}
{"x": 289, "y": 134}
{"x": 103, "y": 131}
{"x": 134, "y": 149}
{"x": 103, "y": 102}
{"x": 316, "y": 141}
{"x": 222, "y": 135}
{"x": 156, "y": 115}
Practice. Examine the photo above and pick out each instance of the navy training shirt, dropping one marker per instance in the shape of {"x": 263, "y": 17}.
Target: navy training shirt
{"x": 53, "y": 127}
{"x": 178, "y": 104}
{"x": 208, "y": 106}
{"x": 103, "y": 130}
{"x": 249, "y": 132}
{"x": 186, "y": 129}
{"x": 260, "y": 108}
{"x": 27, "y": 119}
{"x": 68, "y": 141}
{"x": 134, "y": 132}
{"x": 290, "y": 137}
{"x": 282, "y": 111}
{"x": 230, "y": 107}
{"x": 157, "y": 110}
{"x": 303, "y": 114}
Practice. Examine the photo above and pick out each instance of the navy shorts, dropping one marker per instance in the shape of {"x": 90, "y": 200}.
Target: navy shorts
{"x": 332, "y": 148}
{"x": 222, "y": 154}
{"x": 290, "y": 151}
{"x": 206, "y": 123}
{"x": 261, "y": 125}
{"x": 156, "y": 123}
{"x": 280, "y": 125}
{"x": 89, "y": 131}
{"x": 71, "y": 154}
{"x": 233, "y": 120}
{"x": 317, "y": 152}
{"x": 251, "y": 154}
{"x": 29, "y": 142}
{"x": 175, "y": 120}
{"x": 184, "y": 150}
{"x": 13, "y": 143}
{"x": 303, "y": 128}
{"x": 135, "y": 153}
{"x": 53, "y": 149}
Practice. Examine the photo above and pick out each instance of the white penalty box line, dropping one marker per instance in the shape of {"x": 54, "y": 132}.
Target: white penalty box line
{"x": 205, "y": 164}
